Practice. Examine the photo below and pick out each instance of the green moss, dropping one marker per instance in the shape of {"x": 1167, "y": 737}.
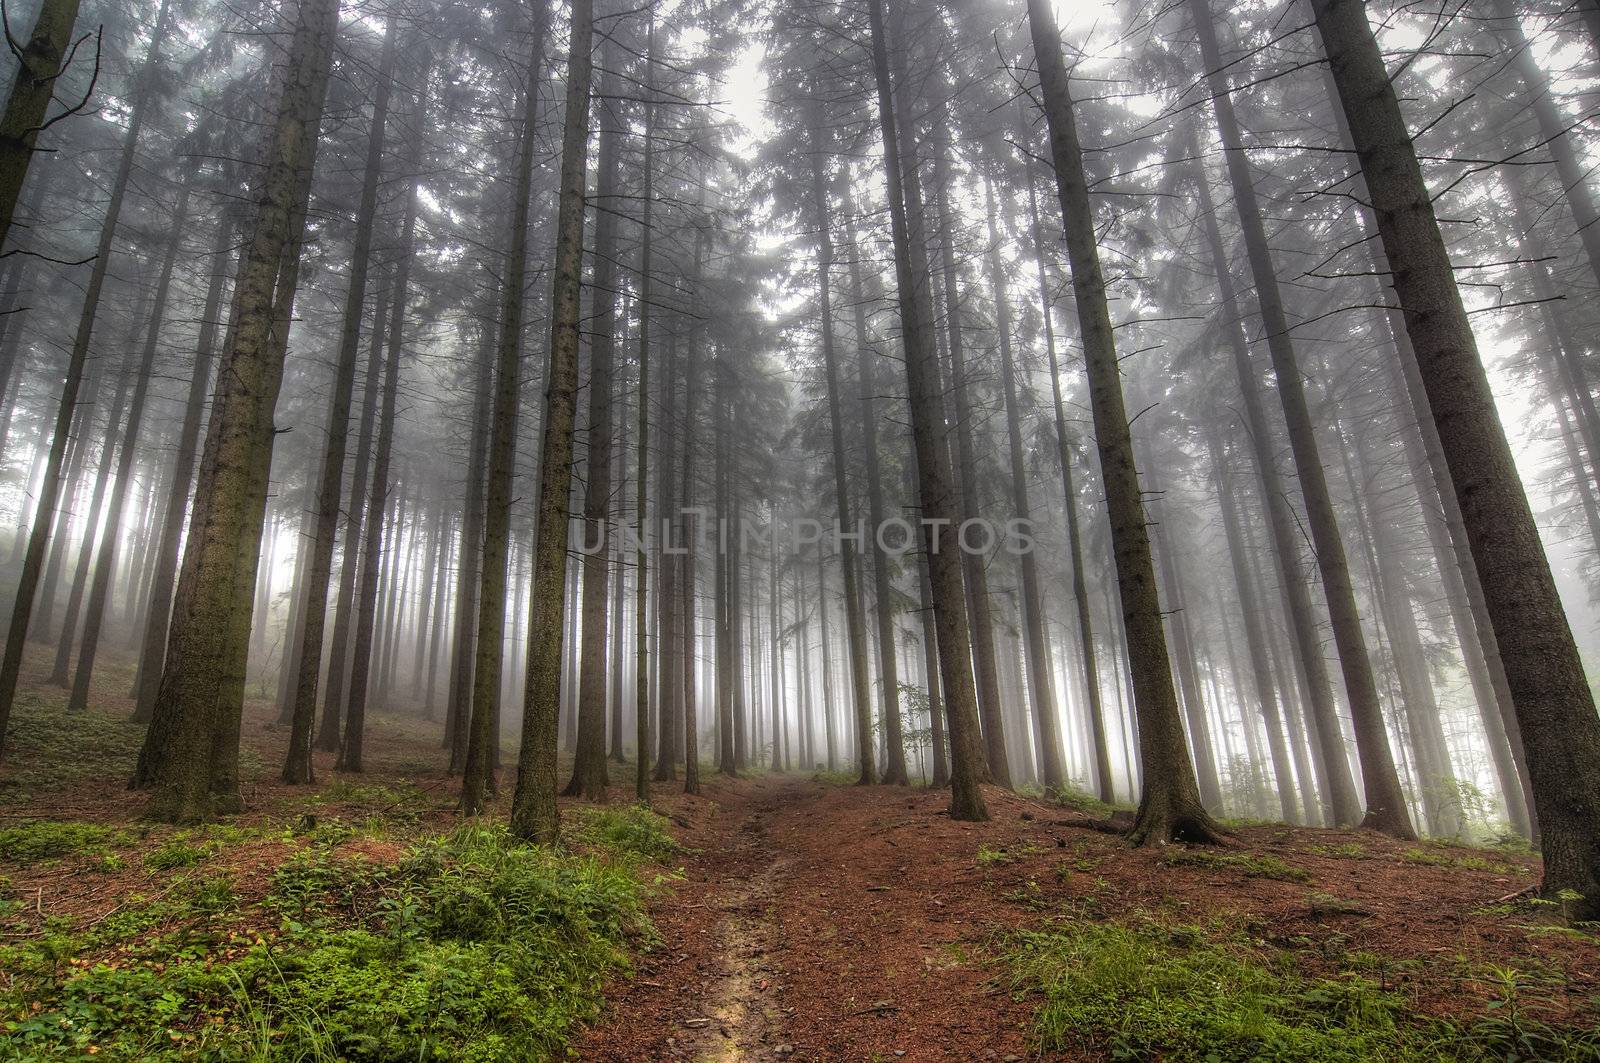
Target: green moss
{"x": 473, "y": 947}
{"x": 1153, "y": 991}
{"x": 46, "y": 839}
{"x": 1459, "y": 859}
{"x": 1251, "y": 865}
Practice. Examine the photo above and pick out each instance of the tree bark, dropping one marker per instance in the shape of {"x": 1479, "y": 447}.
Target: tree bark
{"x": 105, "y": 565}
{"x": 353, "y": 733}
{"x": 855, "y": 629}
{"x": 1548, "y": 686}
{"x": 928, "y": 432}
{"x": 1080, "y": 585}
{"x": 40, "y": 63}
{"x": 204, "y": 665}
{"x": 1169, "y": 806}
{"x": 1385, "y": 802}
{"x": 534, "y": 815}
{"x": 297, "y": 765}
{"x": 589, "y": 764}
{"x": 1034, "y": 647}
{"x": 477, "y": 781}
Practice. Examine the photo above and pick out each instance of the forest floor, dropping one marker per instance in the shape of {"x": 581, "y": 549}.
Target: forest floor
{"x": 804, "y": 918}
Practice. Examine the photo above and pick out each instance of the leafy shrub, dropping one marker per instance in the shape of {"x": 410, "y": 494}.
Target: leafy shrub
{"x": 175, "y": 854}
{"x": 632, "y": 830}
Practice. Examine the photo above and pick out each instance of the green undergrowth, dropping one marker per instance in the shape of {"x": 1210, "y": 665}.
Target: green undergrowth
{"x": 1152, "y": 990}
{"x": 1076, "y": 800}
{"x": 469, "y": 946}
{"x": 49, "y": 749}
{"x": 1251, "y": 865}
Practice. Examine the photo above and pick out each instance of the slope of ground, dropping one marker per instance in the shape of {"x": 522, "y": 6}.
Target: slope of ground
{"x": 801, "y": 920}
{"x": 827, "y": 922}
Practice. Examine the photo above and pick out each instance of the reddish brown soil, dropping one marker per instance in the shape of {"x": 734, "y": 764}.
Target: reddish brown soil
{"x": 831, "y": 923}
{"x": 836, "y": 923}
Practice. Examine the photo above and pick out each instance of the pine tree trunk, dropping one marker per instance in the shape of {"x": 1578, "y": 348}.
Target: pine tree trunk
{"x": 855, "y": 628}
{"x": 1080, "y": 585}
{"x": 722, "y": 616}
{"x": 24, "y": 115}
{"x": 1385, "y": 803}
{"x": 105, "y": 565}
{"x": 1169, "y": 807}
{"x": 40, "y": 63}
{"x": 883, "y": 595}
{"x": 534, "y": 815}
{"x": 458, "y": 714}
{"x": 589, "y": 764}
{"x": 641, "y": 621}
{"x": 974, "y": 566}
{"x": 933, "y": 463}
{"x": 669, "y": 663}
{"x": 1034, "y": 646}
{"x": 1548, "y": 686}
{"x": 297, "y": 765}
{"x": 687, "y": 586}
{"x": 489, "y": 605}
{"x": 1337, "y": 786}
{"x": 1255, "y": 641}
{"x": 84, "y": 561}
{"x": 353, "y": 734}
{"x": 204, "y": 662}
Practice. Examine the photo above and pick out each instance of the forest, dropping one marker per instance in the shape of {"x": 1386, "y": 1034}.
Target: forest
{"x": 828, "y": 530}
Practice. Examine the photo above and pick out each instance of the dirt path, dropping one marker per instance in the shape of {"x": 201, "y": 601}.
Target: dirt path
{"x": 844, "y": 924}
{"x": 812, "y": 926}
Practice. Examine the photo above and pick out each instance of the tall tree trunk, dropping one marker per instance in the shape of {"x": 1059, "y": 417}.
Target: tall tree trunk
{"x": 1034, "y": 646}
{"x": 102, "y": 483}
{"x": 353, "y": 733}
{"x": 478, "y": 781}
{"x": 338, "y": 655}
{"x": 641, "y": 621}
{"x": 100, "y": 591}
{"x": 883, "y": 593}
{"x": 930, "y": 664}
{"x": 728, "y": 530}
{"x": 974, "y": 565}
{"x": 669, "y": 669}
{"x": 204, "y": 659}
{"x": 1080, "y": 585}
{"x": 1548, "y": 686}
{"x": 1336, "y": 784}
{"x": 458, "y": 714}
{"x": 855, "y": 628}
{"x": 1385, "y": 803}
{"x": 933, "y": 463}
{"x": 24, "y": 115}
{"x": 589, "y": 764}
{"x": 1255, "y": 641}
{"x": 1169, "y": 806}
{"x": 330, "y": 483}
{"x": 533, "y": 807}
{"x": 40, "y": 62}
{"x": 687, "y": 585}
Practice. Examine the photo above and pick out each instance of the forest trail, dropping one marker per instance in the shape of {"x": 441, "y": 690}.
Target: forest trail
{"x": 818, "y": 922}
